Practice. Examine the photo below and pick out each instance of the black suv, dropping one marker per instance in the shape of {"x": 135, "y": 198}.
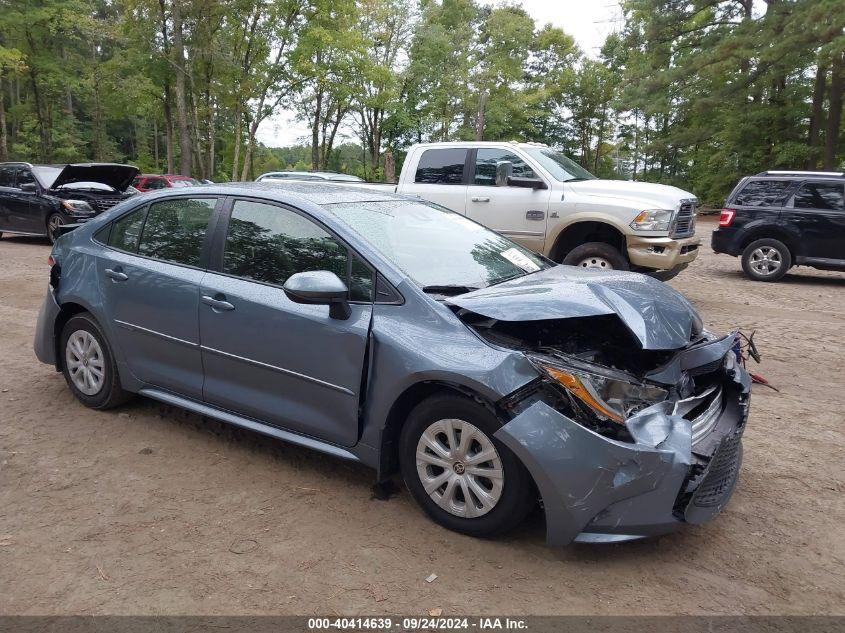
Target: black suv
{"x": 38, "y": 199}
{"x": 779, "y": 219}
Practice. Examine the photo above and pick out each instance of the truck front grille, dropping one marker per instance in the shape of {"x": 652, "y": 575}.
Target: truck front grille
{"x": 684, "y": 224}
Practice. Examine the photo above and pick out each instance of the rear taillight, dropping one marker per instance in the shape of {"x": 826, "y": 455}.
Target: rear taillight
{"x": 51, "y": 261}
{"x": 727, "y": 217}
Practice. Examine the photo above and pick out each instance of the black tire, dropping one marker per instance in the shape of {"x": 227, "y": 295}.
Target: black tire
{"x": 51, "y": 219}
{"x": 517, "y": 492}
{"x": 771, "y": 248}
{"x": 602, "y": 255}
{"x": 110, "y": 393}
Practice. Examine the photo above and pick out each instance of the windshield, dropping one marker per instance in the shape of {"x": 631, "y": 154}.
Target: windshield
{"x": 46, "y": 175}
{"x": 437, "y": 248}
{"x": 559, "y": 166}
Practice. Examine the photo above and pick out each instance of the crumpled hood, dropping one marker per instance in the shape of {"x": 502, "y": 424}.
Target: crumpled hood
{"x": 639, "y": 193}
{"x": 116, "y": 176}
{"x": 656, "y": 314}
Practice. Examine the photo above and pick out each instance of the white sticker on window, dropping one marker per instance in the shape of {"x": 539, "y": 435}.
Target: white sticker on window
{"x": 520, "y": 259}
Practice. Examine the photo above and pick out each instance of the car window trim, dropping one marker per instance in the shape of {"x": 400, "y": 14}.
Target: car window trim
{"x": 219, "y": 245}
{"x": 206, "y": 244}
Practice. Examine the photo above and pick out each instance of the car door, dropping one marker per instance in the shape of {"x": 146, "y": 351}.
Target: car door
{"x": 34, "y": 209}
{"x": 817, "y": 209}
{"x": 441, "y": 177}
{"x": 150, "y": 276}
{"x": 516, "y": 212}
{"x": 15, "y": 213}
{"x": 266, "y": 357}
{"x": 7, "y": 186}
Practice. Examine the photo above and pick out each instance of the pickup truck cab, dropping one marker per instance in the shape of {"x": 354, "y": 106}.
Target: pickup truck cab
{"x": 540, "y": 198}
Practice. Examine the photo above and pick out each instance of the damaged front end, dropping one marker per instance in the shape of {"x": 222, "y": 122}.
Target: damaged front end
{"x": 624, "y": 436}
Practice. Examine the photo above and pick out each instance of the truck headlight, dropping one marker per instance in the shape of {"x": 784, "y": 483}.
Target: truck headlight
{"x": 610, "y": 395}
{"x": 78, "y": 207}
{"x": 653, "y": 220}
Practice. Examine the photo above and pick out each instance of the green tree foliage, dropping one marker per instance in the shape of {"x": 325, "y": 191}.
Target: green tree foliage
{"x": 693, "y": 93}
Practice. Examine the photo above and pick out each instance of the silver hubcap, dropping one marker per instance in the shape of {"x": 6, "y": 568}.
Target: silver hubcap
{"x": 765, "y": 261}
{"x": 595, "y": 262}
{"x": 460, "y": 468}
{"x": 85, "y": 362}
{"x": 55, "y": 222}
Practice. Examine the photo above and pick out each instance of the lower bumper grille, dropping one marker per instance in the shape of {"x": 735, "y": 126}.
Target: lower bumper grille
{"x": 721, "y": 473}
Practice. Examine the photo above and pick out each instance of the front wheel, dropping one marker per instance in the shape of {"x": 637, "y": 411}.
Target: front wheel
{"x": 88, "y": 364}
{"x": 596, "y": 255}
{"x": 53, "y": 223}
{"x": 461, "y": 476}
{"x": 766, "y": 260}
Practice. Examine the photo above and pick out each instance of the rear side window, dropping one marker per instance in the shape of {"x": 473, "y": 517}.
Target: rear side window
{"x": 486, "y": 161}
{"x": 7, "y": 176}
{"x": 762, "y": 193}
{"x": 175, "y": 230}
{"x": 441, "y": 166}
{"x": 819, "y": 195}
{"x": 126, "y": 231}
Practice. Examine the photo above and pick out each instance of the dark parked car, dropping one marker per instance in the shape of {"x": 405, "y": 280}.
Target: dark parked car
{"x": 153, "y": 182}
{"x": 779, "y": 219}
{"x": 394, "y": 332}
{"x": 38, "y": 199}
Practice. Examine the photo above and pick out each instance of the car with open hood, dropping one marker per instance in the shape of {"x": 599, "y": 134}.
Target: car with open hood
{"x": 394, "y": 332}
{"x": 38, "y": 199}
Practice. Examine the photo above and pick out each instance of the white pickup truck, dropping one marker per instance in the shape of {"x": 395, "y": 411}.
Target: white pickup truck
{"x": 548, "y": 203}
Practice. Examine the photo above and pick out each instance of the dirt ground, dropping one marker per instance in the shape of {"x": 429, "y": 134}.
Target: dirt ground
{"x": 151, "y": 510}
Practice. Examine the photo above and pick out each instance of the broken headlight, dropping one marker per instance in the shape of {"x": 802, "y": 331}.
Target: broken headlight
{"x": 610, "y": 395}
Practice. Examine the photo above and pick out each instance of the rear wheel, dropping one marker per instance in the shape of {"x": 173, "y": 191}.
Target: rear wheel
{"x": 766, "y": 260}
{"x": 53, "y": 223}
{"x": 463, "y": 477}
{"x": 596, "y": 255}
{"x": 88, "y": 364}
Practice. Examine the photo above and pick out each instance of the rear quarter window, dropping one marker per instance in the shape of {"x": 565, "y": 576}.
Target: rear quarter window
{"x": 441, "y": 166}
{"x": 762, "y": 193}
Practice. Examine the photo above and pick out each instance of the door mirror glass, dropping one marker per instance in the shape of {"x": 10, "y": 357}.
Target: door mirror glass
{"x": 504, "y": 171}
{"x": 320, "y": 287}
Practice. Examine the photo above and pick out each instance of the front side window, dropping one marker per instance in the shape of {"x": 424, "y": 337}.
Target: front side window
{"x": 175, "y": 230}
{"x": 819, "y": 195}
{"x": 25, "y": 177}
{"x": 441, "y": 166}
{"x": 486, "y": 161}
{"x": 269, "y": 244}
{"x": 762, "y": 193}
{"x": 436, "y": 247}
{"x": 126, "y": 231}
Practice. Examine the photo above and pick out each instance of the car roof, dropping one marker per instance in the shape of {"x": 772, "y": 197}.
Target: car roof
{"x": 316, "y": 192}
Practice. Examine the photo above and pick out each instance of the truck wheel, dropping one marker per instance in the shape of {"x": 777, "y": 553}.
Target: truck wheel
{"x": 596, "y": 255}
{"x": 766, "y": 260}
{"x": 463, "y": 477}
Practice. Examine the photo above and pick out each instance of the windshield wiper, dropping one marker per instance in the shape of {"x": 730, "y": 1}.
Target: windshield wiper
{"x": 448, "y": 290}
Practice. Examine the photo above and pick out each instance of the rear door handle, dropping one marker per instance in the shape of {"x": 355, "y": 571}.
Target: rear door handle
{"x": 480, "y": 199}
{"x": 535, "y": 215}
{"x": 217, "y": 303}
{"x": 117, "y": 274}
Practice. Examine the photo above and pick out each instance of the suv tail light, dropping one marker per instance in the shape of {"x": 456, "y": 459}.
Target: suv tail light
{"x": 727, "y": 217}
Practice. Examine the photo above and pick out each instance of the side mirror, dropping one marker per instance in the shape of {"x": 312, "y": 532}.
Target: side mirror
{"x": 504, "y": 169}
{"x": 29, "y": 187}
{"x": 528, "y": 183}
{"x": 320, "y": 287}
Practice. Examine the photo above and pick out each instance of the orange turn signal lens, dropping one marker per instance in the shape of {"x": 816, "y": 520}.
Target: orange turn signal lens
{"x": 574, "y": 385}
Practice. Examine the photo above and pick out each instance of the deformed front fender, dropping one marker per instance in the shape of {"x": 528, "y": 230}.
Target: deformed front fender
{"x": 579, "y": 473}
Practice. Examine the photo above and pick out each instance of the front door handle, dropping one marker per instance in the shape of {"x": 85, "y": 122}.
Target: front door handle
{"x": 480, "y": 199}
{"x": 217, "y": 303}
{"x": 535, "y": 215}
{"x": 116, "y": 274}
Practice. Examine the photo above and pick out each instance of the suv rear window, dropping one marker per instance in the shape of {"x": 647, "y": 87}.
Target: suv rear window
{"x": 442, "y": 166}
{"x": 762, "y": 193}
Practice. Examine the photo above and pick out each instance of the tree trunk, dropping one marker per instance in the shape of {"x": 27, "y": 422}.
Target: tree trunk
{"x": 4, "y": 142}
{"x": 315, "y": 132}
{"x": 185, "y": 146}
{"x": 479, "y": 122}
{"x": 837, "y": 84}
{"x": 168, "y": 129}
{"x": 236, "y": 150}
{"x": 817, "y": 116}
{"x": 389, "y": 166}
{"x": 155, "y": 143}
